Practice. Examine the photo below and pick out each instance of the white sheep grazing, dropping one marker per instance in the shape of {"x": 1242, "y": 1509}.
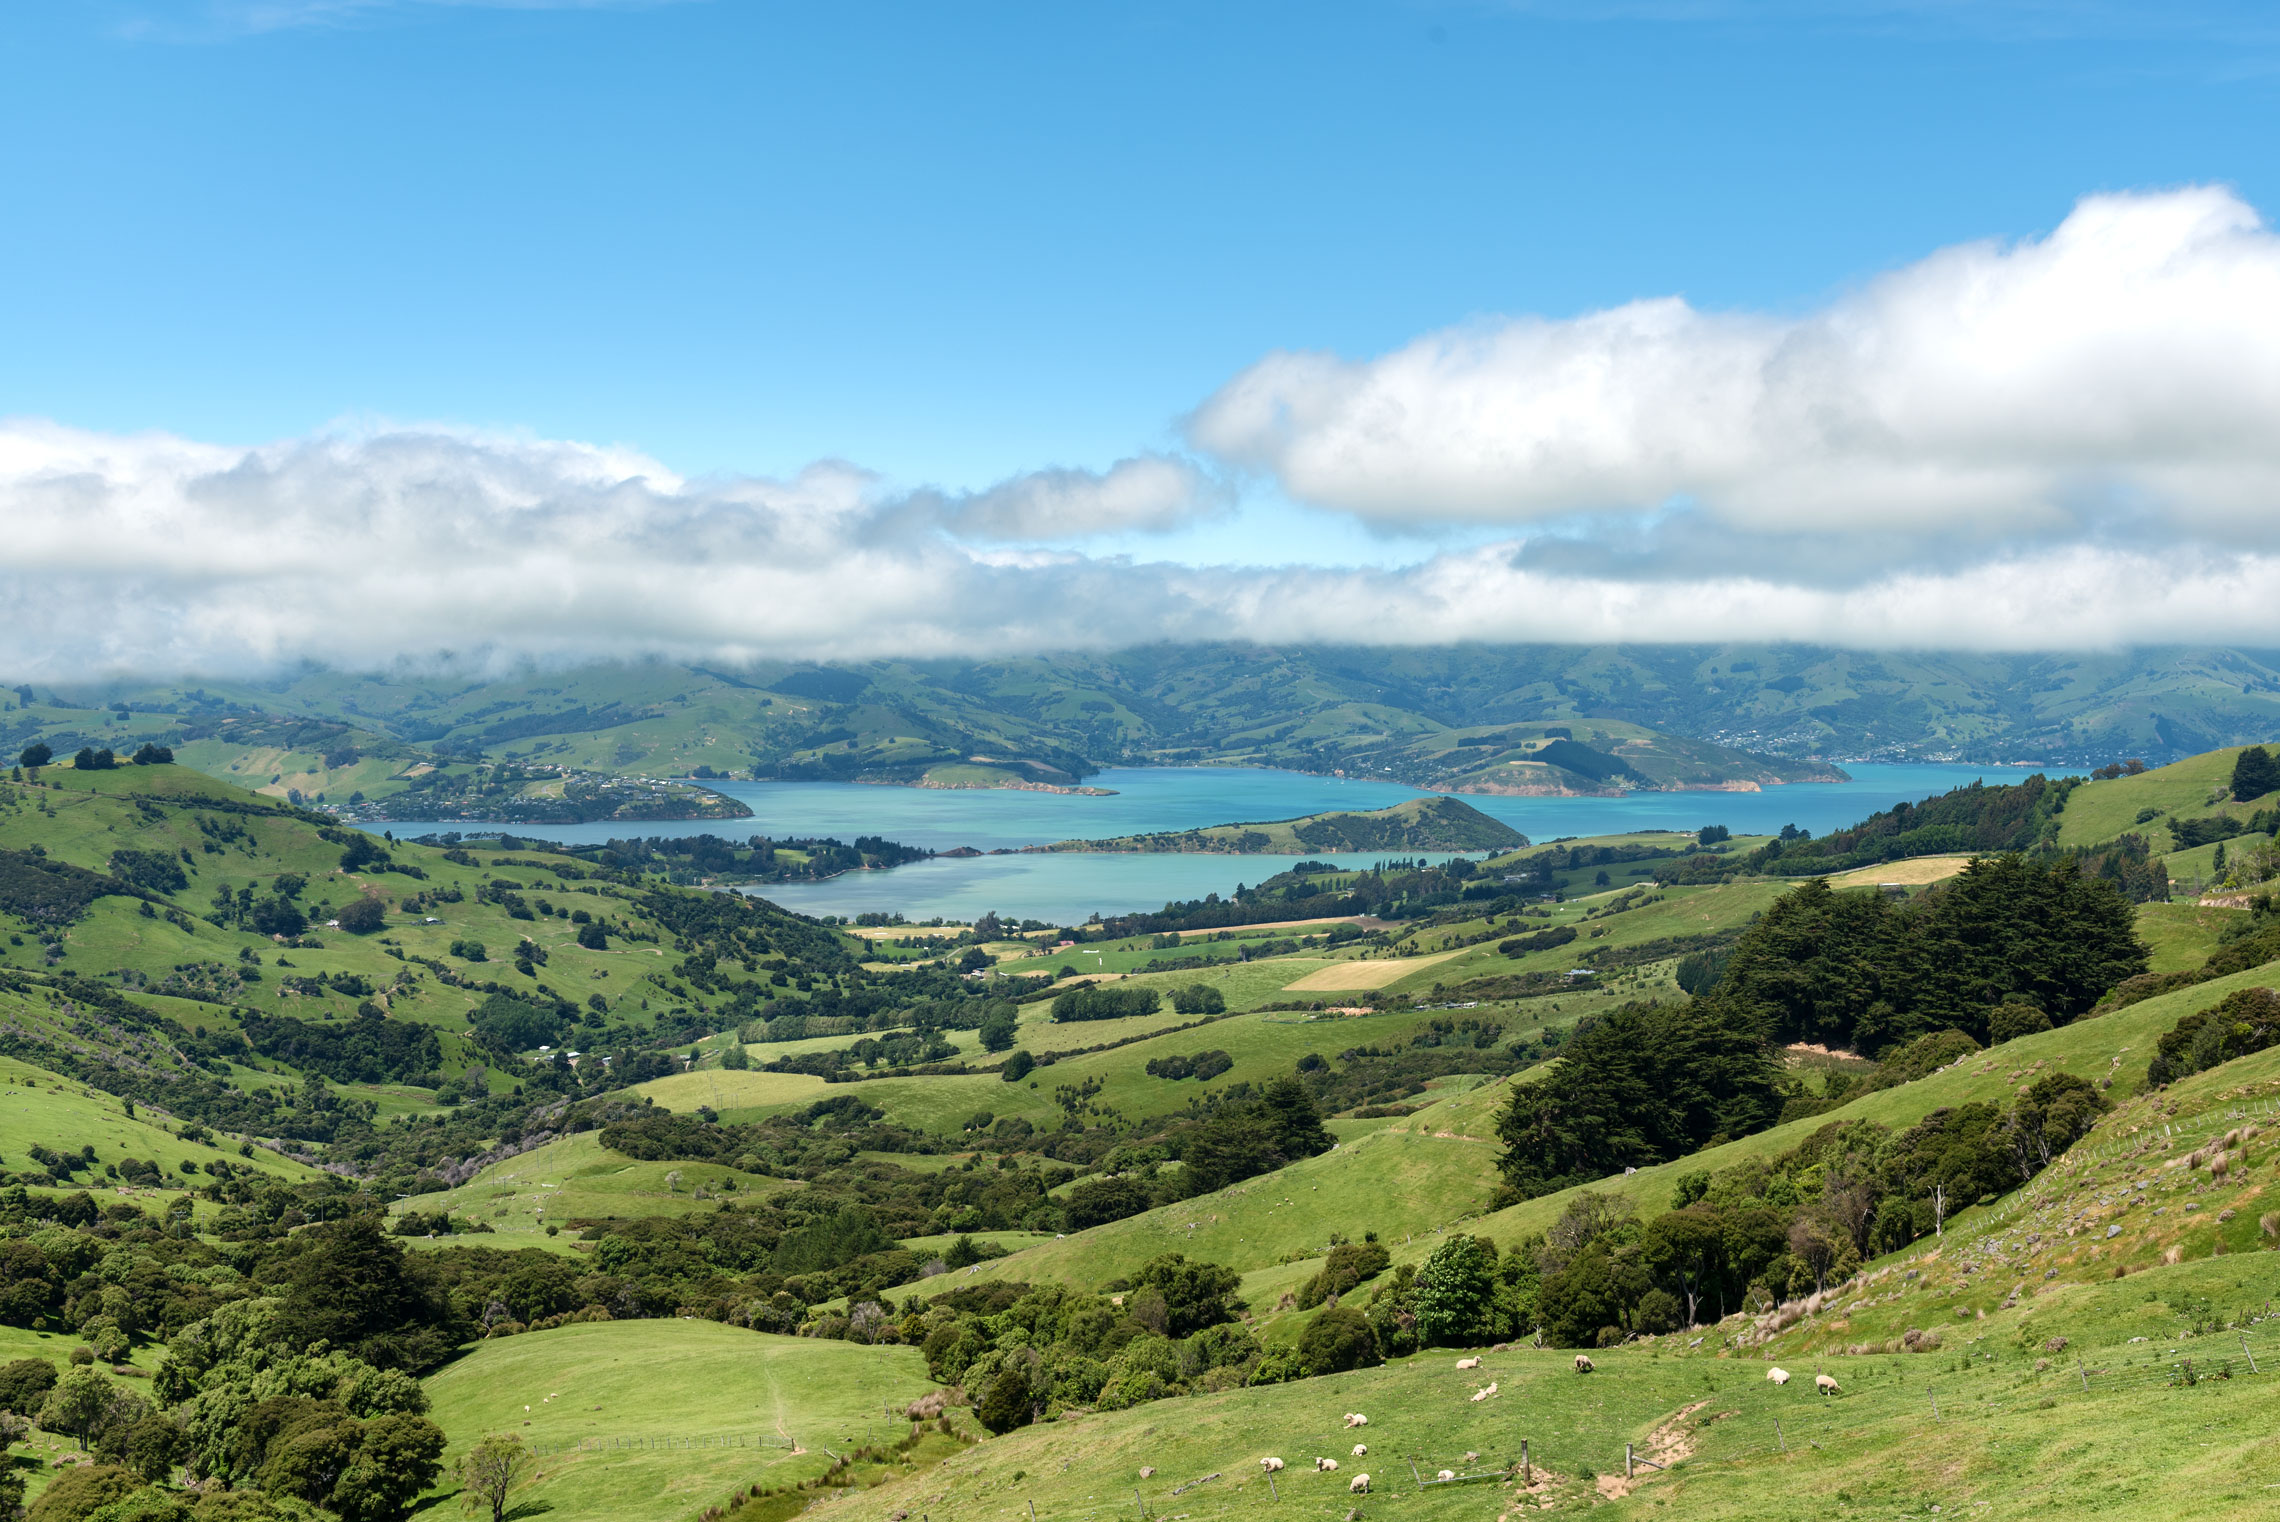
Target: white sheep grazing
{"x": 1360, "y": 1449}
{"x": 1325, "y": 1466}
{"x": 1147, "y": 1470}
{"x": 1824, "y": 1384}
{"x": 1777, "y": 1376}
{"x": 1270, "y": 1465}
{"x": 1446, "y": 1474}
{"x": 1356, "y": 1419}
{"x": 1358, "y": 1485}
{"x": 1468, "y": 1363}
{"x": 1471, "y": 1457}
{"x": 1583, "y": 1365}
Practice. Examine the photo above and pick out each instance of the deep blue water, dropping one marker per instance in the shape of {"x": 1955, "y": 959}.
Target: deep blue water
{"x": 1065, "y": 888}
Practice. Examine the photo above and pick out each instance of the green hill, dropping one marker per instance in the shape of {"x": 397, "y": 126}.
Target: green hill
{"x": 1419, "y": 824}
{"x": 656, "y": 1418}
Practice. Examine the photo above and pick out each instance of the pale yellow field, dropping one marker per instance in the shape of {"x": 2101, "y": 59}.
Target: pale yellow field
{"x": 727, "y": 1089}
{"x": 1917, "y": 870}
{"x": 1348, "y": 975}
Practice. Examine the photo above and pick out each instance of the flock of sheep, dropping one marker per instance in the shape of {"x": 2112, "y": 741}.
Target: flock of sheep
{"x": 1360, "y": 1483}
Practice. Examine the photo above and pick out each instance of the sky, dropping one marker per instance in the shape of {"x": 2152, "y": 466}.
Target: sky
{"x": 369, "y": 330}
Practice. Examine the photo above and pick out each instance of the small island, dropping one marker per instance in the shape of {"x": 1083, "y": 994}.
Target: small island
{"x": 1420, "y": 824}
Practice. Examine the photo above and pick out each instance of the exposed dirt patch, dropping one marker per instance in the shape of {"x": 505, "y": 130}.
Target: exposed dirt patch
{"x": 1674, "y": 1439}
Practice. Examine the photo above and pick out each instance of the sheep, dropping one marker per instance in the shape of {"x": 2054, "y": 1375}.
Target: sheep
{"x": 1147, "y": 1471}
{"x": 1777, "y": 1376}
{"x": 1270, "y": 1465}
{"x": 1583, "y": 1364}
{"x": 1358, "y": 1485}
{"x": 1468, "y": 1363}
{"x": 1471, "y": 1457}
{"x": 1446, "y": 1474}
{"x": 1485, "y": 1391}
{"x": 1824, "y": 1384}
{"x": 1325, "y": 1466}
{"x": 1360, "y": 1449}
{"x": 1356, "y": 1419}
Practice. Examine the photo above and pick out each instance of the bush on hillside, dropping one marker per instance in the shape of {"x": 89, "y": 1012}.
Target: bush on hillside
{"x": 1199, "y": 999}
{"x": 1337, "y": 1342}
{"x": 1099, "y": 1201}
{"x": 2246, "y": 1021}
{"x": 2014, "y": 1018}
{"x": 363, "y": 916}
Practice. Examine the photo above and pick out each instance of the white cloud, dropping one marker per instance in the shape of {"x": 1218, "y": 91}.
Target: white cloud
{"x": 160, "y": 555}
{"x": 2127, "y": 366}
{"x": 1147, "y": 494}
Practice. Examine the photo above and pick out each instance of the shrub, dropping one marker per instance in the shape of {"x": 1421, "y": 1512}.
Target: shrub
{"x": 1338, "y": 1340}
{"x": 2015, "y": 1018}
{"x": 1106, "y": 1002}
{"x": 1198, "y": 999}
{"x": 1017, "y": 1067}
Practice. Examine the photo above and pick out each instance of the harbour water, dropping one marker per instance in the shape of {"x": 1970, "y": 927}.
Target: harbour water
{"x": 1064, "y": 888}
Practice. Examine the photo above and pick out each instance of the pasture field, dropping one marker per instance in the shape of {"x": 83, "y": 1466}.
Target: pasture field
{"x": 1914, "y": 872}
{"x": 1364, "y": 974}
{"x": 2100, "y": 810}
{"x": 577, "y": 1178}
{"x": 2182, "y": 936}
{"x": 615, "y": 1385}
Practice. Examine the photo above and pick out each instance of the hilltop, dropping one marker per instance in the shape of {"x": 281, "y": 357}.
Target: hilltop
{"x": 1678, "y": 715}
{"x": 1420, "y": 824}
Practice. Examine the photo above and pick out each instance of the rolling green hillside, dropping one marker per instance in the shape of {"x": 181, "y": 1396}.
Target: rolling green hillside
{"x": 643, "y": 1419}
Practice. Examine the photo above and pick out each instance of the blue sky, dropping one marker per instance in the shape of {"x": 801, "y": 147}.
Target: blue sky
{"x": 953, "y": 245}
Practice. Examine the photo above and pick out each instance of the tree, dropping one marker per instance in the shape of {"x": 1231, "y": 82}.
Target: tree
{"x": 1685, "y": 1248}
{"x": 491, "y": 1470}
{"x": 1196, "y": 1295}
{"x": 1641, "y": 1085}
{"x": 1592, "y": 1294}
{"x": 77, "y": 1404}
{"x": 1007, "y": 1405}
{"x": 1000, "y": 1024}
{"x": 363, "y": 916}
{"x": 1017, "y": 1067}
{"x": 1337, "y": 1341}
{"x": 734, "y": 1057}
{"x": 1199, "y": 999}
{"x": 1455, "y": 1290}
{"x": 2255, "y": 773}
{"x": 36, "y": 754}
{"x": 1103, "y": 1200}
{"x": 591, "y": 936}
{"x": 279, "y": 916}
{"x": 154, "y": 755}
{"x": 397, "y": 1457}
{"x": 80, "y": 1492}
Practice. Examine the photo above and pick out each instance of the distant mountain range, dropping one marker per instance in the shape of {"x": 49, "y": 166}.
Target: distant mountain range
{"x": 1475, "y": 718}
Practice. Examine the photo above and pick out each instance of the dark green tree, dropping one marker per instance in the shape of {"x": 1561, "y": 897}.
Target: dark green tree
{"x": 38, "y": 753}
{"x": 2254, "y": 774}
{"x": 1338, "y": 1340}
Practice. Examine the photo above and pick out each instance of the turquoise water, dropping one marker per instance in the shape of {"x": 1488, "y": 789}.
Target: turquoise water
{"x": 1066, "y": 888}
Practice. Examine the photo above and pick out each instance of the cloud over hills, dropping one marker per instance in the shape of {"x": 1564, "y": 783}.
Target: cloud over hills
{"x": 2066, "y": 442}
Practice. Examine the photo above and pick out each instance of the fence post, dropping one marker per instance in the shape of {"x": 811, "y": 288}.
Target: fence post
{"x": 1778, "y": 1437}
{"x": 1627, "y": 1473}
{"x": 1527, "y": 1474}
{"x": 1271, "y": 1486}
{"x": 1935, "y": 1395}
{"x": 1413, "y": 1474}
{"x": 2085, "y": 1373}
{"x": 1139, "y": 1503}
{"x": 1033, "y": 1511}
{"x": 2245, "y": 1353}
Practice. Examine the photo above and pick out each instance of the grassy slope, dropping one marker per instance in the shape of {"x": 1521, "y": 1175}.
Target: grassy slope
{"x": 653, "y": 1381}
{"x": 2011, "y": 1443}
{"x": 90, "y": 820}
{"x": 1370, "y": 1187}
{"x": 576, "y": 1178}
{"x": 2099, "y": 811}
